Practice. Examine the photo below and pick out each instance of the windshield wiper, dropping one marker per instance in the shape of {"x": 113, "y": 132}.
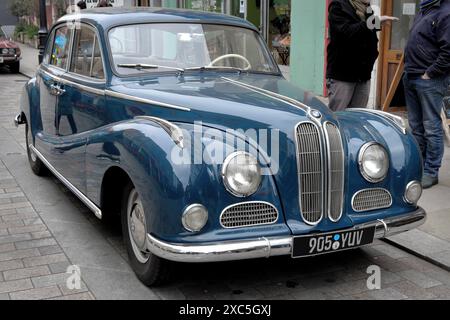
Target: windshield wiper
{"x": 141, "y": 66}
{"x": 214, "y": 68}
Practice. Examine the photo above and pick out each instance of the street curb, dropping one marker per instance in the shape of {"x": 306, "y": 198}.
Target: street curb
{"x": 417, "y": 254}
{"x": 25, "y": 75}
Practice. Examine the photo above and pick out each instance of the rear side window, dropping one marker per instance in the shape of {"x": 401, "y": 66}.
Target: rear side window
{"x": 86, "y": 58}
{"x": 60, "y": 51}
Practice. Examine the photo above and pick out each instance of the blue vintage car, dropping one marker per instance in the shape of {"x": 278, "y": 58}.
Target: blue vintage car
{"x": 181, "y": 123}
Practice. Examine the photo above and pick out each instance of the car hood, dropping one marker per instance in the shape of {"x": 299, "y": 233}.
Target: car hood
{"x": 5, "y": 43}
{"x": 229, "y": 101}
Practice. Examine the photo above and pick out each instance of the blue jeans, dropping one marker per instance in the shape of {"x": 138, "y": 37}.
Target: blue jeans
{"x": 424, "y": 100}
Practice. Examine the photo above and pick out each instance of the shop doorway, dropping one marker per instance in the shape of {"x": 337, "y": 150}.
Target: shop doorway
{"x": 393, "y": 42}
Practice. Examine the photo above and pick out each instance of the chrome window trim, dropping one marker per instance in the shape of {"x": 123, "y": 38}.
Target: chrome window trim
{"x": 372, "y": 189}
{"x": 92, "y": 206}
{"x": 327, "y": 140}
{"x": 319, "y": 129}
{"x": 143, "y": 100}
{"x": 175, "y": 132}
{"x": 362, "y": 150}
{"x": 96, "y": 39}
{"x": 225, "y": 164}
{"x": 399, "y": 122}
{"x": 246, "y": 203}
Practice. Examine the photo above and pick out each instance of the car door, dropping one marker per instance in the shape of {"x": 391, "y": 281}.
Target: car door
{"x": 82, "y": 106}
{"x": 49, "y": 74}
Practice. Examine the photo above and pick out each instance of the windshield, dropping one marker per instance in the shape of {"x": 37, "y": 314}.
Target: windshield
{"x": 165, "y": 47}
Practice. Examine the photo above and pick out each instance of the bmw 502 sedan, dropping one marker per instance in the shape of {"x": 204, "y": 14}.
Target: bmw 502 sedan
{"x": 181, "y": 123}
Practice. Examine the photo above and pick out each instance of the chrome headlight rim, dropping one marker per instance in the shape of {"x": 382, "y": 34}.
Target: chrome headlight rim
{"x": 225, "y": 165}
{"x": 408, "y": 187}
{"x": 363, "y": 172}
{"x": 186, "y": 212}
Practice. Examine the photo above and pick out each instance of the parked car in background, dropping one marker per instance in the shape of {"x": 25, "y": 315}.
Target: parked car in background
{"x": 9, "y": 52}
{"x": 181, "y": 123}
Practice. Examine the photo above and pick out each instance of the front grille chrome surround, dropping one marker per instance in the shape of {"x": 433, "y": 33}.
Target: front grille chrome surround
{"x": 310, "y": 167}
{"x": 248, "y": 214}
{"x": 335, "y": 154}
{"x": 371, "y": 199}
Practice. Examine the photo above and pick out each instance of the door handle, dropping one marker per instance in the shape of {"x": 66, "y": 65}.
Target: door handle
{"x": 56, "y": 90}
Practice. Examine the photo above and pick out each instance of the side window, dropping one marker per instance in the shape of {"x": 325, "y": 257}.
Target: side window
{"x": 48, "y": 49}
{"x": 86, "y": 58}
{"x": 60, "y": 51}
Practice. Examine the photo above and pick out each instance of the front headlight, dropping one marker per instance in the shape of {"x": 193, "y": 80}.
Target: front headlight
{"x": 241, "y": 174}
{"x": 373, "y": 162}
{"x": 5, "y": 51}
{"x": 12, "y": 51}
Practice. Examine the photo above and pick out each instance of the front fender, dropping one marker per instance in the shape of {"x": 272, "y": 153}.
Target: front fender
{"x": 359, "y": 128}
{"x": 145, "y": 151}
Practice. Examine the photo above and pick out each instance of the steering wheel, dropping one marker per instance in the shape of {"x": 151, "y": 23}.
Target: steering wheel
{"x": 118, "y": 41}
{"x": 230, "y": 56}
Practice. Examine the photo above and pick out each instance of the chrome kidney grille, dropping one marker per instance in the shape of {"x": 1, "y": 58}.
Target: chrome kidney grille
{"x": 335, "y": 151}
{"x": 320, "y": 162}
{"x": 371, "y": 199}
{"x": 310, "y": 172}
{"x": 248, "y": 214}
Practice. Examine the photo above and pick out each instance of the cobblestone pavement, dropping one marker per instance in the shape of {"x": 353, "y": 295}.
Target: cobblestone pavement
{"x": 44, "y": 229}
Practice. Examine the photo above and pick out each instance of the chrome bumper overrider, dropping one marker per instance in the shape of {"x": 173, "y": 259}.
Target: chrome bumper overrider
{"x": 267, "y": 247}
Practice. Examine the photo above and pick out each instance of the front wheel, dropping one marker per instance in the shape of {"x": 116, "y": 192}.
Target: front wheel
{"x": 150, "y": 269}
{"x": 36, "y": 164}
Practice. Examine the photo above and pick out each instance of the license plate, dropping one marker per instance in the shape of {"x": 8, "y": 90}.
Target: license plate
{"x": 1, "y": 59}
{"x": 313, "y": 245}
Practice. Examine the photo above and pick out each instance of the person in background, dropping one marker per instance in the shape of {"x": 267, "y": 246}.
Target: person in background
{"x": 426, "y": 79}
{"x": 81, "y": 4}
{"x": 352, "y": 52}
{"x": 103, "y": 3}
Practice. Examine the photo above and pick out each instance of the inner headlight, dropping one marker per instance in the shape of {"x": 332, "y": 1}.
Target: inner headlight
{"x": 5, "y": 51}
{"x": 373, "y": 162}
{"x": 241, "y": 174}
{"x": 12, "y": 51}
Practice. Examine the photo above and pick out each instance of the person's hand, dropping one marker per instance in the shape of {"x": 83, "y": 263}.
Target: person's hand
{"x": 426, "y": 77}
{"x": 385, "y": 19}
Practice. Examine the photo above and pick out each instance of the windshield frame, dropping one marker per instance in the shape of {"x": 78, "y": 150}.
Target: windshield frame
{"x": 174, "y": 72}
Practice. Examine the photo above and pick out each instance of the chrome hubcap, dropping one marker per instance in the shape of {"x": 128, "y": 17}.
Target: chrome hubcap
{"x": 137, "y": 227}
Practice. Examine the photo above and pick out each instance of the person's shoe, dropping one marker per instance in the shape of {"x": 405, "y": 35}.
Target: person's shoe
{"x": 429, "y": 181}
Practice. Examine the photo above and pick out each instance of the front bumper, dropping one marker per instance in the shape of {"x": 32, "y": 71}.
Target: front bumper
{"x": 9, "y": 60}
{"x": 267, "y": 247}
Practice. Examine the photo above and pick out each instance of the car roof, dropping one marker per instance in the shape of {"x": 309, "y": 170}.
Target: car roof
{"x": 109, "y": 17}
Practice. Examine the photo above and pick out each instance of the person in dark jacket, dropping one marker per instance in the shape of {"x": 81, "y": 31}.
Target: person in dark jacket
{"x": 352, "y": 52}
{"x": 426, "y": 79}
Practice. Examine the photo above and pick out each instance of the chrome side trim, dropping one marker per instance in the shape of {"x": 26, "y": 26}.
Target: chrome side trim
{"x": 267, "y": 247}
{"x": 174, "y": 131}
{"x": 142, "y": 100}
{"x": 97, "y": 211}
{"x": 249, "y": 225}
{"x": 270, "y": 94}
{"x": 399, "y": 122}
{"x": 100, "y": 92}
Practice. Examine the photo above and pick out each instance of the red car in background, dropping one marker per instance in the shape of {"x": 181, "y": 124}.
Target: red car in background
{"x": 9, "y": 53}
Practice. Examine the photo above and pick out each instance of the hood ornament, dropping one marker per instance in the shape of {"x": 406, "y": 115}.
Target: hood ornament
{"x": 316, "y": 114}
